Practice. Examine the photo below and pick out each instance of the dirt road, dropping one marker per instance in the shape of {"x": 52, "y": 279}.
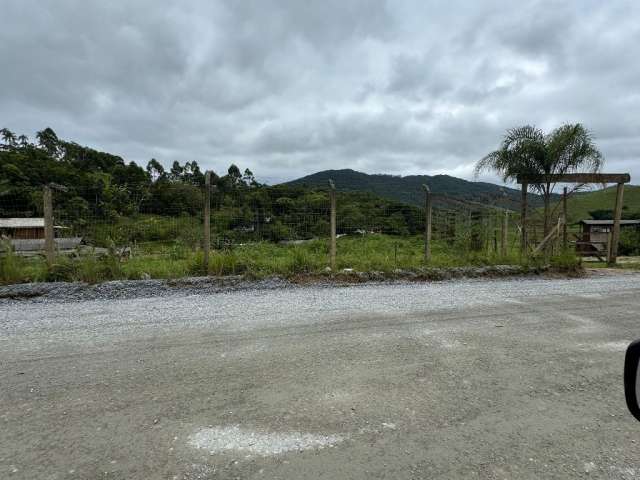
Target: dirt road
{"x": 467, "y": 379}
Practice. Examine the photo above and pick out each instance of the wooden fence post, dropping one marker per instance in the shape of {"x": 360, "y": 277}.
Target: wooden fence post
{"x": 428, "y": 218}
{"x": 504, "y": 241}
{"x": 561, "y": 224}
{"x": 207, "y": 221}
{"x": 615, "y": 237}
{"x": 49, "y": 242}
{"x": 332, "y": 247}
{"x": 523, "y": 219}
{"x": 565, "y": 238}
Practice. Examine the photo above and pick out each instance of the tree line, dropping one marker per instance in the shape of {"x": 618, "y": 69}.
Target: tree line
{"x": 102, "y": 187}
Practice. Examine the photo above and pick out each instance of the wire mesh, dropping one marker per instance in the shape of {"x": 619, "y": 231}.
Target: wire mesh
{"x": 150, "y": 224}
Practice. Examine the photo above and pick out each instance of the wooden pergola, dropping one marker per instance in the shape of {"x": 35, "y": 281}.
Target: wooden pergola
{"x": 579, "y": 178}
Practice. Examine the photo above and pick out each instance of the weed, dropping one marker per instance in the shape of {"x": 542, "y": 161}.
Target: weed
{"x": 372, "y": 252}
{"x": 11, "y": 269}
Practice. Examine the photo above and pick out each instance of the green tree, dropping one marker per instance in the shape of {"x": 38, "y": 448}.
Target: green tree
{"x": 48, "y": 140}
{"x": 8, "y": 137}
{"x": 529, "y": 151}
{"x": 23, "y": 141}
{"x": 248, "y": 178}
{"x": 177, "y": 172}
{"x": 155, "y": 170}
{"x": 234, "y": 174}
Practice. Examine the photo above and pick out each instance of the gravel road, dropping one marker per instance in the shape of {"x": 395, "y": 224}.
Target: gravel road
{"x": 463, "y": 379}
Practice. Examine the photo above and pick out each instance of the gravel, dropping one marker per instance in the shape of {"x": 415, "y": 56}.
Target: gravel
{"x": 123, "y": 289}
{"x": 476, "y": 378}
{"x": 235, "y": 439}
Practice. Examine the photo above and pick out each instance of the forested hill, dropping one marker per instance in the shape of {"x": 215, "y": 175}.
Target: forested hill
{"x": 448, "y": 191}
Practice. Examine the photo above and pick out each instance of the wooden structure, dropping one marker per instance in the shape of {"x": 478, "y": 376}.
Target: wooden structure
{"x": 580, "y": 178}
{"x": 27, "y": 236}
{"x": 206, "y": 241}
{"x": 332, "y": 244}
{"x": 428, "y": 218}
{"x": 595, "y": 235}
{"x": 23, "y": 228}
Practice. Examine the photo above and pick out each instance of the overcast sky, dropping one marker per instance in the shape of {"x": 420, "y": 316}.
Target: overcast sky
{"x": 288, "y": 88}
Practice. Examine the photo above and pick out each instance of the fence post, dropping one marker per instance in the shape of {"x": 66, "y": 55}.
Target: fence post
{"x": 332, "y": 247}
{"x": 427, "y": 223}
{"x": 207, "y": 221}
{"x": 615, "y": 237}
{"x": 523, "y": 219}
{"x": 565, "y": 237}
{"x": 49, "y": 242}
{"x": 504, "y": 240}
{"x": 561, "y": 223}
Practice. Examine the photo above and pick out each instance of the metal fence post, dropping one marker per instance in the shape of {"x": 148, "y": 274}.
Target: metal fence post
{"x": 427, "y": 223}
{"x": 332, "y": 248}
{"x": 49, "y": 242}
{"x": 207, "y": 221}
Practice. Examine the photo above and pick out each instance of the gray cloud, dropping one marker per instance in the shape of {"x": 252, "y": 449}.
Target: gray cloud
{"x": 287, "y": 87}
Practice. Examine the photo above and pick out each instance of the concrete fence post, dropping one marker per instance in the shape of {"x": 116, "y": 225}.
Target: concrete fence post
{"x": 427, "y": 223}
{"x": 332, "y": 247}
{"x": 206, "y": 246}
{"x": 49, "y": 242}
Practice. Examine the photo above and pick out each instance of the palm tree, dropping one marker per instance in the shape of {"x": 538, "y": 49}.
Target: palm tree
{"x": 23, "y": 140}
{"x": 8, "y": 137}
{"x": 528, "y": 151}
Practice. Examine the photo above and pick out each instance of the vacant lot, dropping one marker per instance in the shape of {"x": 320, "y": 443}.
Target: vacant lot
{"x": 475, "y": 379}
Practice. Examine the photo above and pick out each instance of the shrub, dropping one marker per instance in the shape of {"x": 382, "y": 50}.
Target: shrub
{"x": 63, "y": 270}
{"x": 10, "y": 265}
{"x": 629, "y": 241}
{"x": 566, "y": 262}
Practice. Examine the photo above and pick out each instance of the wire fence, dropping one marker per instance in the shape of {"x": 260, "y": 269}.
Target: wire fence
{"x": 138, "y": 227}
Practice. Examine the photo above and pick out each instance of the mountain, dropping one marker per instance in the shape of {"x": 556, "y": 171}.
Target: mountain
{"x": 449, "y": 192}
{"x": 580, "y": 204}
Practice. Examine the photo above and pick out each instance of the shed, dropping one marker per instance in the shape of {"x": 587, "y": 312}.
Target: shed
{"x": 594, "y": 237}
{"x": 23, "y": 228}
{"x": 26, "y": 236}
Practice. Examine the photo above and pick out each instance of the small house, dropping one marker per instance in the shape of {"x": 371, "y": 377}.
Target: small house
{"x": 23, "y": 228}
{"x": 26, "y": 235}
{"x": 594, "y": 236}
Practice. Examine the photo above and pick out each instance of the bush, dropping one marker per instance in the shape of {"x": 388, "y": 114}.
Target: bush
{"x": 302, "y": 260}
{"x": 629, "y": 241}
{"x": 63, "y": 270}
{"x": 10, "y": 265}
{"x": 566, "y": 262}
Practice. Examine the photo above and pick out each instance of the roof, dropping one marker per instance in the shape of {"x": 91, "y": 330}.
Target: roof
{"x": 23, "y": 223}
{"x": 609, "y": 222}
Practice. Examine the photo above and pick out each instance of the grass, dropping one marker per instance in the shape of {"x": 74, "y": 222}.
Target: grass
{"x": 580, "y": 204}
{"x": 380, "y": 253}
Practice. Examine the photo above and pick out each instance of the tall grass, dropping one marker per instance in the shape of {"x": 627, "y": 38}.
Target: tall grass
{"x": 368, "y": 253}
